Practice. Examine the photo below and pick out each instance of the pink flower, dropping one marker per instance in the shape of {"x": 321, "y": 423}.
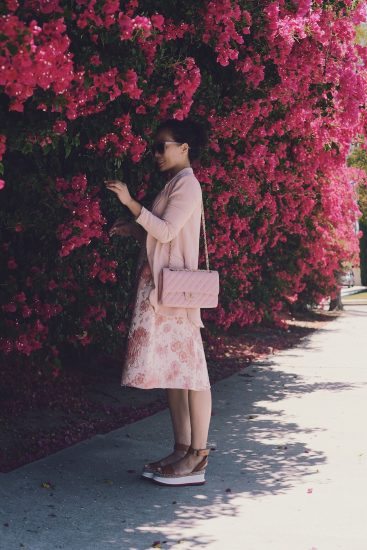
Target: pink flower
{"x": 49, "y": 6}
{"x": 20, "y": 297}
{"x": 52, "y": 285}
{"x": 2, "y": 145}
{"x": 26, "y": 312}
{"x": 96, "y": 60}
{"x": 126, "y": 26}
{"x": 12, "y": 5}
{"x": 143, "y": 25}
{"x": 60, "y": 127}
{"x": 10, "y": 307}
{"x": 130, "y": 84}
{"x": 158, "y": 21}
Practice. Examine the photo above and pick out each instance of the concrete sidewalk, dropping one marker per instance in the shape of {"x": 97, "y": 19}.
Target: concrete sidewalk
{"x": 289, "y": 471}
{"x": 347, "y": 291}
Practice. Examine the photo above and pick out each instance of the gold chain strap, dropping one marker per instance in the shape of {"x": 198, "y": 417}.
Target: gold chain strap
{"x": 205, "y": 242}
{"x": 204, "y": 232}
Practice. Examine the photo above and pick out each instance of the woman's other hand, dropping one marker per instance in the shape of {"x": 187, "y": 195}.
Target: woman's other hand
{"x": 122, "y": 228}
{"x": 120, "y": 189}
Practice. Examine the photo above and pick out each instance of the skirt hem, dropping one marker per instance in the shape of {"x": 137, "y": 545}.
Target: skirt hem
{"x": 163, "y": 387}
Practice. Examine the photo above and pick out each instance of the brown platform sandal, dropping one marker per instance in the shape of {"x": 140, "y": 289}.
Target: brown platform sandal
{"x": 151, "y": 467}
{"x": 166, "y": 474}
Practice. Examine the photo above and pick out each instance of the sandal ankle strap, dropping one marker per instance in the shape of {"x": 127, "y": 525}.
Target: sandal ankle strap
{"x": 198, "y": 452}
{"x": 181, "y": 447}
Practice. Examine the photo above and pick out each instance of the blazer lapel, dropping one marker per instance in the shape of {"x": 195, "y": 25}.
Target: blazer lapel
{"x": 157, "y": 200}
{"x": 170, "y": 183}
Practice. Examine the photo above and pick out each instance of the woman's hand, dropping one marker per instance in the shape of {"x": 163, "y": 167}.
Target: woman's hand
{"x": 120, "y": 189}
{"x": 122, "y": 228}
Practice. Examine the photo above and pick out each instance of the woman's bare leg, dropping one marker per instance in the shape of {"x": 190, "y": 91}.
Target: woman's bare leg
{"x": 200, "y": 408}
{"x": 178, "y": 403}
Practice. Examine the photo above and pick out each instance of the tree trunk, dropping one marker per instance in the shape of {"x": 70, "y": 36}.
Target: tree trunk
{"x": 336, "y": 302}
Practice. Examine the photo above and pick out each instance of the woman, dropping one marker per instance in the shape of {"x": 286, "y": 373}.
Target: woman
{"x": 165, "y": 348}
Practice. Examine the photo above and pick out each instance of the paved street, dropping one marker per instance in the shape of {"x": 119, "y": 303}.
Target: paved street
{"x": 289, "y": 471}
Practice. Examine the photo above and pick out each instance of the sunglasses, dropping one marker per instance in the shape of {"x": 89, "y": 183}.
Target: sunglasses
{"x": 160, "y": 146}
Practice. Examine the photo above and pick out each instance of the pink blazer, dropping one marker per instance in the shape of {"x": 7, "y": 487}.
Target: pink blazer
{"x": 174, "y": 222}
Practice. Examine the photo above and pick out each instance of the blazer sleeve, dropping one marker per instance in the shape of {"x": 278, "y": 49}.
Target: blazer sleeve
{"x": 182, "y": 201}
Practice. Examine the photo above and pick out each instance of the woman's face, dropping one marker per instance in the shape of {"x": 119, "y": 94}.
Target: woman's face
{"x": 169, "y": 154}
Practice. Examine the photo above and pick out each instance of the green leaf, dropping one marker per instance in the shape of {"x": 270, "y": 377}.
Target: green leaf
{"x": 68, "y": 149}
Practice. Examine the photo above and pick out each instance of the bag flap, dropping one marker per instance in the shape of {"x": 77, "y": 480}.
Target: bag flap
{"x": 198, "y": 281}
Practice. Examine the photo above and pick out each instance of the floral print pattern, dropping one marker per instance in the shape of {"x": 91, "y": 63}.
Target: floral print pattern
{"x": 162, "y": 352}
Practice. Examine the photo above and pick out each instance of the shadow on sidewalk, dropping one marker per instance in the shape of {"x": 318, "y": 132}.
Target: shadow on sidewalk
{"x": 249, "y": 460}
{"x": 356, "y": 311}
{"x": 97, "y": 492}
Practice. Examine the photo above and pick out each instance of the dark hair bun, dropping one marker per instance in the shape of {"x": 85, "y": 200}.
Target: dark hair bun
{"x": 187, "y": 131}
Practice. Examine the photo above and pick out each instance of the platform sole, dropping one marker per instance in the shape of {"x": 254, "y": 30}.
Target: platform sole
{"x": 147, "y": 475}
{"x": 180, "y": 481}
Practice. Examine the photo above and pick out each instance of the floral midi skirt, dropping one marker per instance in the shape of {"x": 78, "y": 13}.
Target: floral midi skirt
{"x": 162, "y": 351}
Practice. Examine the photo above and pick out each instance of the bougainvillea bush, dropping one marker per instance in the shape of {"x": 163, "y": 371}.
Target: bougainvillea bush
{"x": 358, "y": 159}
{"x": 279, "y": 85}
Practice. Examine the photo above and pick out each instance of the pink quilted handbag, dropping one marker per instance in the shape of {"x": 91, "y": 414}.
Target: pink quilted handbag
{"x": 189, "y": 288}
